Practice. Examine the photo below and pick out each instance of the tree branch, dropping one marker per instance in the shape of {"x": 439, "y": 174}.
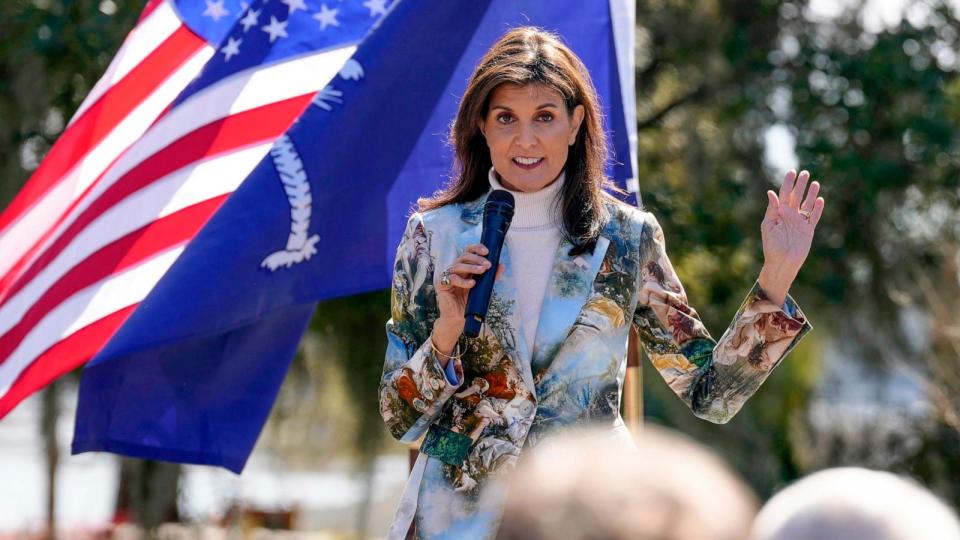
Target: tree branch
{"x": 652, "y": 120}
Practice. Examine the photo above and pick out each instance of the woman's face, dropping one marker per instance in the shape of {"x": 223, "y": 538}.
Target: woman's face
{"x": 529, "y": 134}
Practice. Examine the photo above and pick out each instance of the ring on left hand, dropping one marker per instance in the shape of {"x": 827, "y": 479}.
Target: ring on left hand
{"x": 805, "y": 213}
{"x": 445, "y": 278}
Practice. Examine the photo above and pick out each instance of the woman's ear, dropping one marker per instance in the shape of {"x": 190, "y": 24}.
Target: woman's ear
{"x": 482, "y": 125}
{"x": 577, "y": 119}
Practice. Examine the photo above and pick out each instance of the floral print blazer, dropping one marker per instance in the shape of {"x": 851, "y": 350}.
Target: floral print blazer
{"x": 506, "y": 399}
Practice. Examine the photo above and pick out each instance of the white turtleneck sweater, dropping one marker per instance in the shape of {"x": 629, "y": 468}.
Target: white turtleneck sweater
{"x": 532, "y": 241}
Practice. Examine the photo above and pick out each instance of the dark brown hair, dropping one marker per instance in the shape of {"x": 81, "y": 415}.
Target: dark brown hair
{"x": 530, "y": 55}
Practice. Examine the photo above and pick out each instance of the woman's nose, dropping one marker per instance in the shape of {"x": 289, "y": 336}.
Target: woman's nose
{"x": 526, "y": 138}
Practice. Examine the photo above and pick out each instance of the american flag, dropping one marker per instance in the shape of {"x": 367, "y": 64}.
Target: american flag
{"x": 192, "y": 102}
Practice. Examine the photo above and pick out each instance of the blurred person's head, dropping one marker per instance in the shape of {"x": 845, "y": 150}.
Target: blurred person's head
{"x": 855, "y": 503}
{"x": 591, "y": 485}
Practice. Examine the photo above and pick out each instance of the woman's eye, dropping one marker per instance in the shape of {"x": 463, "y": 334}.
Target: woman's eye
{"x": 504, "y": 118}
{"x": 546, "y": 117}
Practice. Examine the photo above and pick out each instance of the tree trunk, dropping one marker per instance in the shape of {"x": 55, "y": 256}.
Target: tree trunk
{"x": 148, "y": 493}
{"x": 48, "y": 428}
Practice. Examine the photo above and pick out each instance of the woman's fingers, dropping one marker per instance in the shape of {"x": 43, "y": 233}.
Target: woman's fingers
{"x": 787, "y": 186}
{"x": 471, "y": 261}
{"x": 472, "y": 258}
{"x": 479, "y": 249}
{"x": 466, "y": 269}
{"x": 773, "y": 205}
{"x": 817, "y": 211}
{"x": 796, "y": 194}
{"x": 812, "y": 193}
{"x": 457, "y": 282}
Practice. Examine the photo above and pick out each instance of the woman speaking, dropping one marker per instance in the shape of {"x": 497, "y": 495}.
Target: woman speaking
{"x": 577, "y": 269}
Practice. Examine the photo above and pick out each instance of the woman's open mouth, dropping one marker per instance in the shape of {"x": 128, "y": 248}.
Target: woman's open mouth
{"x": 527, "y": 163}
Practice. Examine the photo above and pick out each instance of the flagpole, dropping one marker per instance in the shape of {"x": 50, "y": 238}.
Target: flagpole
{"x": 414, "y": 453}
{"x": 623, "y": 13}
{"x": 633, "y": 386}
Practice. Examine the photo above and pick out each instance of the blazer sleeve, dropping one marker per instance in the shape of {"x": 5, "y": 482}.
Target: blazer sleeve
{"x": 714, "y": 378}
{"x": 414, "y": 386}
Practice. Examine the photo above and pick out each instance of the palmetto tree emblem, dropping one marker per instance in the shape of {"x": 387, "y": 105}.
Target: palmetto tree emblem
{"x": 300, "y": 244}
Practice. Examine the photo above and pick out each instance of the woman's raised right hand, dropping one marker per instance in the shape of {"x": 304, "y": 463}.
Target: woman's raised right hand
{"x": 452, "y": 298}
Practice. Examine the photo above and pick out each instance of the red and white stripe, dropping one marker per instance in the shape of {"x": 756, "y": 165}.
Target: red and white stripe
{"x": 126, "y": 187}
{"x": 157, "y": 60}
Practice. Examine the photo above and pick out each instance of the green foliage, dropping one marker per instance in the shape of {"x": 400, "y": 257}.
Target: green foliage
{"x": 51, "y": 54}
{"x": 356, "y": 327}
{"x": 328, "y": 407}
{"x": 875, "y": 120}
{"x": 876, "y": 117}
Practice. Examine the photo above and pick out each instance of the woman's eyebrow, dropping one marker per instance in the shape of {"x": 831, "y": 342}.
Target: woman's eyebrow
{"x": 547, "y": 105}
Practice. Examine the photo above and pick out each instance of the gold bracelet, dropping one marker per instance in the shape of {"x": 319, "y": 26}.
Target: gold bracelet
{"x": 437, "y": 351}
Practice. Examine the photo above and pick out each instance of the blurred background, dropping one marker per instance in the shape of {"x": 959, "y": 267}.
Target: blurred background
{"x": 730, "y": 94}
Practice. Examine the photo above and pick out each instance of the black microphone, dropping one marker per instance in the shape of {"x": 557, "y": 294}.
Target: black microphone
{"x": 497, "y": 214}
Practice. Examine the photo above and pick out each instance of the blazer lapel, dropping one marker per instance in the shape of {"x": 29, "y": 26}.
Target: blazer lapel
{"x": 508, "y": 326}
{"x": 570, "y": 284}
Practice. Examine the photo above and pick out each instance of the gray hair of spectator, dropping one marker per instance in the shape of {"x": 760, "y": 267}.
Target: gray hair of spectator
{"x": 594, "y": 485}
{"x": 852, "y": 502}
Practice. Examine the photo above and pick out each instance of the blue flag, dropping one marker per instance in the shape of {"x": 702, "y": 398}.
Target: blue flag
{"x": 192, "y": 374}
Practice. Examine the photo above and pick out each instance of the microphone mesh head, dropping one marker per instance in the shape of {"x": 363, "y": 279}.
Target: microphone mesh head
{"x": 500, "y": 195}
{"x": 500, "y": 201}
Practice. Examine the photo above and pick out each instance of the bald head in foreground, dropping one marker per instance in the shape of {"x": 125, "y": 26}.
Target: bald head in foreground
{"x": 592, "y": 485}
{"x": 855, "y": 503}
